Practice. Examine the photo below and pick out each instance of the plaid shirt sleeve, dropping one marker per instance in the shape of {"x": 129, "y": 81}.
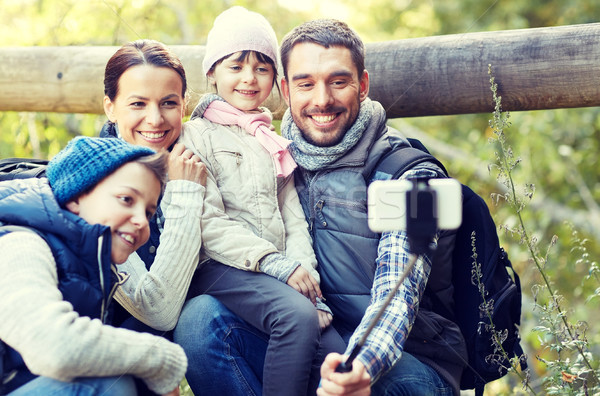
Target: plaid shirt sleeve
{"x": 385, "y": 344}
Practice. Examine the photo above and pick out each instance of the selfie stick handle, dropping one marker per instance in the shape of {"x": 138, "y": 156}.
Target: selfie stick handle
{"x": 346, "y": 366}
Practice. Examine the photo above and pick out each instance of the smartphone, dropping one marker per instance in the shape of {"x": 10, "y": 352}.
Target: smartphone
{"x": 386, "y": 201}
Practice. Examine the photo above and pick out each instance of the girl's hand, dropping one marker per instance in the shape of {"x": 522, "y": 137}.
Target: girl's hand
{"x": 174, "y": 392}
{"x": 305, "y": 283}
{"x": 355, "y": 383}
{"x": 185, "y": 165}
{"x": 325, "y": 319}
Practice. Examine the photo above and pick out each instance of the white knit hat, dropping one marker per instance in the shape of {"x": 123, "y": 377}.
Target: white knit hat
{"x": 238, "y": 29}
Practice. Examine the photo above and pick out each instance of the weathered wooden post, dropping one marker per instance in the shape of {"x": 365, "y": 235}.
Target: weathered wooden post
{"x": 71, "y": 79}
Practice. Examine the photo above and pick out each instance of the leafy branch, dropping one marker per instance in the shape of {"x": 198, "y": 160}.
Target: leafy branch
{"x": 499, "y": 356}
{"x": 571, "y": 374}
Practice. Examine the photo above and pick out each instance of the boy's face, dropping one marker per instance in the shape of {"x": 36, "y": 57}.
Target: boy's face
{"x": 125, "y": 200}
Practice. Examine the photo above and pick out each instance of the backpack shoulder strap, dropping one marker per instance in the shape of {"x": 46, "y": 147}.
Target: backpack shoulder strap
{"x": 401, "y": 159}
{"x": 22, "y": 168}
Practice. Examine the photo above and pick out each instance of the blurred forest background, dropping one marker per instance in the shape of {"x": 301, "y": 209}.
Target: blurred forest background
{"x": 558, "y": 148}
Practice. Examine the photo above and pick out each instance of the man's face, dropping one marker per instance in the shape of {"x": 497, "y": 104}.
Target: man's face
{"x": 323, "y": 91}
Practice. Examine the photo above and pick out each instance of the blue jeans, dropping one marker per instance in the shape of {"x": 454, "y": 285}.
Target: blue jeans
{"x": 409, "y": 376}
{"x": 108, "y": 386}
{"x": 226, "y": 355}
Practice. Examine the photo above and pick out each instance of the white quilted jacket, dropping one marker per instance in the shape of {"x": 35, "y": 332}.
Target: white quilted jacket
{"x": 248, "y": 211}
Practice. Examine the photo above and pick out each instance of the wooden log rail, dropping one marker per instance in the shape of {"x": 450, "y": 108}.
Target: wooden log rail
{"x": 541, "y": 68}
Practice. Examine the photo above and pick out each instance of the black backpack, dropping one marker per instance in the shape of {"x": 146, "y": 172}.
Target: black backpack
{"x": 22, "y": 168}
{"x": 504, "y": 290}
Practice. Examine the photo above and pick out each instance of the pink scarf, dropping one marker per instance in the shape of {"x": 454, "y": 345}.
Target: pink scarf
{"x": 257, "y": 125}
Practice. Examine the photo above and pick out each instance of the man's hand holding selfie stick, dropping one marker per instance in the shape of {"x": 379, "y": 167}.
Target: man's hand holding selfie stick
{"x": 422, "y": 207}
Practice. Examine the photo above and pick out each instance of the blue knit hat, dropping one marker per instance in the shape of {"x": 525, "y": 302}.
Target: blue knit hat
{"x": 85, "y": 162}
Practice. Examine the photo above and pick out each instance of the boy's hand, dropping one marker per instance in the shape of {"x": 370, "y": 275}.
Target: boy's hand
{"x": 305, "y": 283}
{"x": 355, "y": 383}
{"x": 185, "y": 165}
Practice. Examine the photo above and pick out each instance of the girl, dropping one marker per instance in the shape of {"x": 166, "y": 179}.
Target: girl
{"x": 145, "y": 87}
{"x": 254, "y": 230}
{"x": 60, "y": 239}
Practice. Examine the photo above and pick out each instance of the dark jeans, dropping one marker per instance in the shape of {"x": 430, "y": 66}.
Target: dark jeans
{"x": 285, "y": 347}
{"x": 226, "y": 356}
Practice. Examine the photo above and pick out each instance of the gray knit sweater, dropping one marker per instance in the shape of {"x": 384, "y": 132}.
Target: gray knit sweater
{"x": 56, "y": 342}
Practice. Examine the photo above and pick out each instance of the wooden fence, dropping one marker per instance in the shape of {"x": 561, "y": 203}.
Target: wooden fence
{"x": 541, "y": 68}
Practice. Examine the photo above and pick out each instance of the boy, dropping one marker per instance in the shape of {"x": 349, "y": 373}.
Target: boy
{"x": 61, "y": 239}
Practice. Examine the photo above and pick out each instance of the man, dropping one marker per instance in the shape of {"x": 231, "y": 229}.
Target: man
{"x": 338, "y": 136}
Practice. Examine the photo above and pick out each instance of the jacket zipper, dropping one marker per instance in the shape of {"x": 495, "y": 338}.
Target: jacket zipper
{"x": 319, "y": 212}
{"x": 311, "y": 198}
{"x": 120, "y": 280}
{"x": 238, "y": 156}
{"x": 103, "y": 306}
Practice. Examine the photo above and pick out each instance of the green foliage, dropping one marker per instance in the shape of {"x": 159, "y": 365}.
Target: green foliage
{"x": 42, "y": 135}
{"x": 105, "y": 22}
{"x": 184, "y": 389}
{"x": 564, "y": 347}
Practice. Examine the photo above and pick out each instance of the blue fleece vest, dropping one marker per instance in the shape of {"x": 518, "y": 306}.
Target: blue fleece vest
{"x": 81, "y": 252}
{"x": 334, "y": 200}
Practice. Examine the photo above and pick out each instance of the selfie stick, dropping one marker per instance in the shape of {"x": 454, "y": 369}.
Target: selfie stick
{"x": 421, "y": 226}
{"x": 346, "y": 366}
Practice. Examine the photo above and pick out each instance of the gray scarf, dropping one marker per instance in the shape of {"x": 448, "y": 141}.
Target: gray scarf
{"x": 312, "y": 157}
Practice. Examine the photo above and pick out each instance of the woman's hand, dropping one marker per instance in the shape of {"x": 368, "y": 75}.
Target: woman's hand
{"x": 185, "y": 165}
{"x": 354, "y": 383}
{"x": 305, "y": 283}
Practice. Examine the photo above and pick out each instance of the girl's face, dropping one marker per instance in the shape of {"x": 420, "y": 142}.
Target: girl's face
{"x": 148, "y": 107}
{"x": 125, "y": 200}
{"x": 243, "y": 84}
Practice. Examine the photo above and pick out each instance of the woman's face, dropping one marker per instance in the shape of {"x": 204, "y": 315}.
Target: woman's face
{"x": 148, "y": 107}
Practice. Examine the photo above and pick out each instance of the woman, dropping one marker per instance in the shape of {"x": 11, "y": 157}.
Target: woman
{"x": 145, "y": 87}
{"x": 145, "y": 93}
